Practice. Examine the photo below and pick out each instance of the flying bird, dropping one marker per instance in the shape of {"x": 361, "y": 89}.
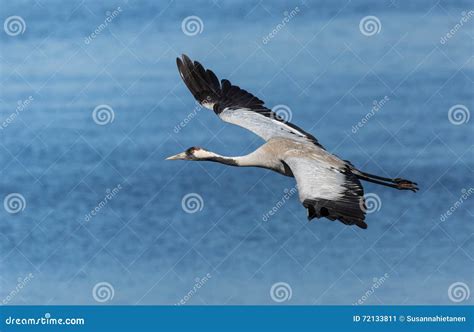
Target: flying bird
{"x": 327, "y": 185}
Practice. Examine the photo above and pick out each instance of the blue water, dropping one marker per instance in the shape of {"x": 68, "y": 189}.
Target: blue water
{"x": 319, "y": 65}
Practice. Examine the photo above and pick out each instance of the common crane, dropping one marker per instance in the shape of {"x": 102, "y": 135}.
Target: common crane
{"x": 327, "y": 186}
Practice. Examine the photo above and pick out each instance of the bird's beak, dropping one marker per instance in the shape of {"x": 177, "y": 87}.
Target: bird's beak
{"x": 179, "y": 156}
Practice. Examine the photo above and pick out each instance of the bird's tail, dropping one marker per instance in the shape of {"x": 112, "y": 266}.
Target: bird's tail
{"x": 397, "y": 183}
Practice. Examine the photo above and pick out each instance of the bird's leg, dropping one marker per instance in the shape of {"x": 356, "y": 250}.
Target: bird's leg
{"x": 397, "y": 183}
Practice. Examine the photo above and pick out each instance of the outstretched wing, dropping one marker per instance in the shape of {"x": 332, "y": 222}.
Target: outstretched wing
{"x": 235, "y": 105}
{"x": 328, "y": 191}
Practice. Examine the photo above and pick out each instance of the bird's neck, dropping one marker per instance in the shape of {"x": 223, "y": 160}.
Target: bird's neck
{"x": 254, "y": 159}
{"x": 241, "y": 161}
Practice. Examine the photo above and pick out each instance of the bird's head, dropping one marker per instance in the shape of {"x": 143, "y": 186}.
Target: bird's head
{"x": 193, "y": 153}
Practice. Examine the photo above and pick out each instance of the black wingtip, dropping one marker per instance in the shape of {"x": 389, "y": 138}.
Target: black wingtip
{"x": 182, "y": 58}
{"x": 187, "y": 61}
{"x": 311, "y": 211}
{"x": 183, "y": 63}
{"x": 179, "y": 63}
{"x": 334, "y": 210}
{"x": 361, "y": 224}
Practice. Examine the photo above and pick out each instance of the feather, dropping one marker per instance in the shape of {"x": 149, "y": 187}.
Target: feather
{"x": 226, "y": 98}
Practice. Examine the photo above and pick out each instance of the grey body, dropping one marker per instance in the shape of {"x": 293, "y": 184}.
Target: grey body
{"x": 318, "y": 173}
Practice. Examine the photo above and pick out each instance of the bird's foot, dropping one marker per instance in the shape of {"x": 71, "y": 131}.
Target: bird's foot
{"x": 403, "y": 184}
